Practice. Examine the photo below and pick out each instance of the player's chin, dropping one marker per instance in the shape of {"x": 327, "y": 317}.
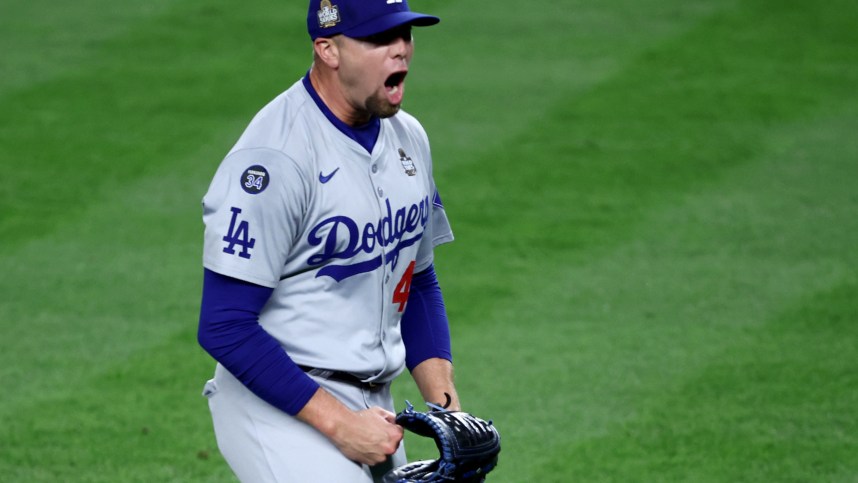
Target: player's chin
{"x": 381, "y": 107}
{"x": 390, "y": 112}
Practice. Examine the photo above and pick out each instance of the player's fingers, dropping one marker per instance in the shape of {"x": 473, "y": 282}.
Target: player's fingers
{"x": 392, "y": 444}
{"x": 395, "y": 433}
{"x": 389, "y": 417}
{"x": 384, "y": 413}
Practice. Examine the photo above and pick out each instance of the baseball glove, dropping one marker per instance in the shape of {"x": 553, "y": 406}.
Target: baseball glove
{"x": 469, "y": 447}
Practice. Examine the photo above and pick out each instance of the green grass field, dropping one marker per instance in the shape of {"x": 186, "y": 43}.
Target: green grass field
{"x": 655, "y": 276}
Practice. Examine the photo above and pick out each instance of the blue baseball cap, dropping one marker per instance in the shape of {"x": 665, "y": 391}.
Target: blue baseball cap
{"x": 361, "y": 18}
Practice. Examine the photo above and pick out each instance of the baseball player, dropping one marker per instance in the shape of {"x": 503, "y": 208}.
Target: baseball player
{"x": 319, "y": 287}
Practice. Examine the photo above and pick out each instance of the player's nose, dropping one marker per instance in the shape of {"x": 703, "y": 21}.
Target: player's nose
{"x": 399, "y": 48}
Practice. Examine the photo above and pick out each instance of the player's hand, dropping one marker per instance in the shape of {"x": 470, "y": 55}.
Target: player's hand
{"x": 368, "y": 436}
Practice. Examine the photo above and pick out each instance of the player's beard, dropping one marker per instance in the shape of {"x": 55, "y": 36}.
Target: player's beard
{"x": 379, "y": 106}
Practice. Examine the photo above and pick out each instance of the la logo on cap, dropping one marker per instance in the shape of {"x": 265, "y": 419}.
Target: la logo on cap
{"x": 329, "y": 15}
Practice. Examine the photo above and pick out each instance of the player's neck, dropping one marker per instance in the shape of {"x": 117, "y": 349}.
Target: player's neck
{"x": 330, "y": 93}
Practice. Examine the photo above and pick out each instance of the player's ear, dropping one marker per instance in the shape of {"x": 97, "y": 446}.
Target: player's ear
{"x": 328, "y": 51}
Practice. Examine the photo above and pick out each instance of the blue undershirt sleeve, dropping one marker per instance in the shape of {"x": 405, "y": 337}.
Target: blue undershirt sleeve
{"x": 229, "y": 331}
{"x": 425, "y": 328}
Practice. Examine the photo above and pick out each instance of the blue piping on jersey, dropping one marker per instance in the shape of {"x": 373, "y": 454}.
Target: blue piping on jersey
{"x": 365, "y": 135}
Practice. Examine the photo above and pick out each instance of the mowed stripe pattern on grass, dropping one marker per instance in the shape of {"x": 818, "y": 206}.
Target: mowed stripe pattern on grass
{"x": 638, "y": 262}
{"x": 659, "y": 282}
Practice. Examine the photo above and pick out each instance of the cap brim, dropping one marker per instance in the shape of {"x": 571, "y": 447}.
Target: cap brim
{"x": 387, "y": 22}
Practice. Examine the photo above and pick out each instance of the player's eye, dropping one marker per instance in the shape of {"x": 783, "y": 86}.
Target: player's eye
{"x": 389, "y": 36}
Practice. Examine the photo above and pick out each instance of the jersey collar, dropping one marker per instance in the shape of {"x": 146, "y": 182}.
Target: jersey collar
{"x": 365, "y": 135}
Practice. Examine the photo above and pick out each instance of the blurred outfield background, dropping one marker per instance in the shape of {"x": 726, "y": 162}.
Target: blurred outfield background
{"x": 655, "y": 203}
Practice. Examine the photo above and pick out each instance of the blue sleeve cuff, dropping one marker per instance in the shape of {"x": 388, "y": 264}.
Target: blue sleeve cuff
{"x": 425, "y": 327}
{"x": 229, "y": 331}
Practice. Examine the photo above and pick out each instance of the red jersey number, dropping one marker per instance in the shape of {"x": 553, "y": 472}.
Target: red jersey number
{"x": 403, "y": 288}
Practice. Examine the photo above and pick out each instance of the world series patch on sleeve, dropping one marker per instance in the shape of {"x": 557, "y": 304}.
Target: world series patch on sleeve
{"x": 468, "y": 446}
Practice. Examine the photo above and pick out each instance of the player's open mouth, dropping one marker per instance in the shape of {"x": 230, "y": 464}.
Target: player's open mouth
{"x": 394, "y": 86}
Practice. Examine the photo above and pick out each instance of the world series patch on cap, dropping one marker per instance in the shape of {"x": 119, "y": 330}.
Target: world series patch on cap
{"x": 361, "y": 18}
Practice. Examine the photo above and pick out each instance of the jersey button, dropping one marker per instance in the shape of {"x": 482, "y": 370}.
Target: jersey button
{"x": 380, "y": 192}
{"x": 374, "y": 168}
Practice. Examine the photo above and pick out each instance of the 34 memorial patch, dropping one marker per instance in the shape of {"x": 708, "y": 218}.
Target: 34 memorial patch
{"x": 255, "y": 179}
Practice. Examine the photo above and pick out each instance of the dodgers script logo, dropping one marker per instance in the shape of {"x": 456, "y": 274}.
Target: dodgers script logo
{"x": 342, "y": 238}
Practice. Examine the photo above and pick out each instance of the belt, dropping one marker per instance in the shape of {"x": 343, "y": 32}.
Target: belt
{"x": 342, "y": 376}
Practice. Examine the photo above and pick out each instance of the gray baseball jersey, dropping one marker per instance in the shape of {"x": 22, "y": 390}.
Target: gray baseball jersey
{"x": 298, "y": 206}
